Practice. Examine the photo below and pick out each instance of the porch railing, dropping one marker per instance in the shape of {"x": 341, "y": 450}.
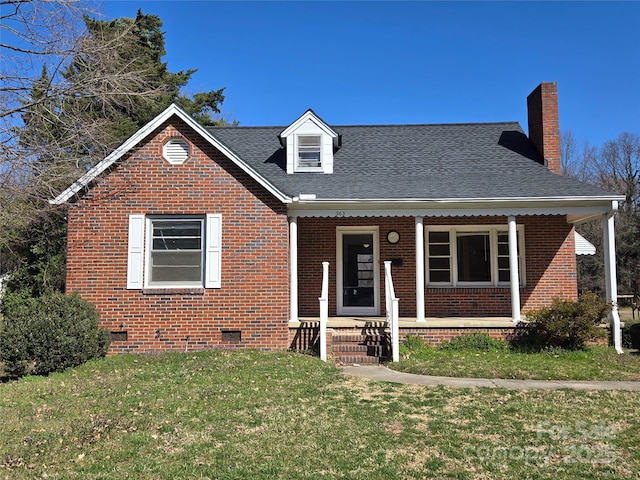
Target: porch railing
{"x": 324, "y": 311}
{"x": 392, "y": 311}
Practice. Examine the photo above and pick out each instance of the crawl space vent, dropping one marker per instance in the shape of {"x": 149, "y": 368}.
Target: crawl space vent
{"x": 119, "y": 336}
{"x": 233, "y": 336}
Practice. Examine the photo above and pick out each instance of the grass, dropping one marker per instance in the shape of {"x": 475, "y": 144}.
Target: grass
{"x": 256, "y": 415}
{"x": 594, "y": 363}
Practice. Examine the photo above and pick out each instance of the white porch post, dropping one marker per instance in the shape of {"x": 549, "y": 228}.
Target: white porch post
{"x": 293, "y": 267}
{"x": 611, "y": 282}
{"x": 513, "y": 270}
{"x": 324, "y": 311}
{"x": 419, "y": 270}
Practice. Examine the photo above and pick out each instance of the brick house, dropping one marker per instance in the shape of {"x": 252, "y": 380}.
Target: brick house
{"x": 197, "y": 237}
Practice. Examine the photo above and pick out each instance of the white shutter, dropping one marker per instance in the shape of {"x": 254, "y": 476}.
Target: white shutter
{"x": 135, "y": 260}
{"x": 213, "y": 252}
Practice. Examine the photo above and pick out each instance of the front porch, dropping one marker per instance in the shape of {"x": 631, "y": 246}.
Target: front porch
{"x": 454, "y": 272}
{"x": 367, "y": 340}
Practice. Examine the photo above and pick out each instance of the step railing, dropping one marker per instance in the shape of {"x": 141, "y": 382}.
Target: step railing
{"x": 324, "y": 311}
{"x": 392, "y": 312}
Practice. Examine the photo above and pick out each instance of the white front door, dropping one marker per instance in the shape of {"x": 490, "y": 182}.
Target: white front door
{"x": 358, "y": 271}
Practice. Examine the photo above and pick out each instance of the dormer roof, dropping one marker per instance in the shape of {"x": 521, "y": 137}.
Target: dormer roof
{"x": 305, "y": 118}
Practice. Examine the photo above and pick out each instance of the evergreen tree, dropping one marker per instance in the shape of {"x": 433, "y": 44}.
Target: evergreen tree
{"x": 114, "y": 84}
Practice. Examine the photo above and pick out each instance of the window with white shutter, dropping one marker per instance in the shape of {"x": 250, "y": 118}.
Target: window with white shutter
{"x": 174, "y": 251}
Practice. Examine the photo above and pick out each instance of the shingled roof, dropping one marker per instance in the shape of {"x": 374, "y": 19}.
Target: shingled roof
{"x": 418, "y": 162}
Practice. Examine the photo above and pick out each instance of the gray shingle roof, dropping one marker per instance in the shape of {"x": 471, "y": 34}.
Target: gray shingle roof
{"x": 426, "y": 162}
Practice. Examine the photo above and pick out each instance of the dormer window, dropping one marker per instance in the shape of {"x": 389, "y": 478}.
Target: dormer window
{"x": 309, "y": 144}
{"x": 309, "y": 156}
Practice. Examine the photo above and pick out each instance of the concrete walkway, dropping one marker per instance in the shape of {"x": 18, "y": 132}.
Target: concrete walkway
{"x": 384, "y": 374}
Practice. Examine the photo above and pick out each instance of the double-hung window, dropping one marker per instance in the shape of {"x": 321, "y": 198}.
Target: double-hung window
{"x": 309, "y": 153}
{"x": 471, "y": 256}
{"x": 174, "y": 251}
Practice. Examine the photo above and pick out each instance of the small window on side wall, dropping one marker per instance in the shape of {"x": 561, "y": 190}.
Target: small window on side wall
{"x": 309, "y": 153}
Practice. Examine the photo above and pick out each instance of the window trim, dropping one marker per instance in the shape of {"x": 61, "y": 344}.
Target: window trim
{"x": 150, "y": 219}
{"x": 493, "y": 231}
{"x": 301, "y": 168}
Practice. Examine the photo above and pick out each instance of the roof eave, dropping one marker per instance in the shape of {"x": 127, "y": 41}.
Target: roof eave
{"x": 577, "y": 209}
{"x": 442, "y": 201}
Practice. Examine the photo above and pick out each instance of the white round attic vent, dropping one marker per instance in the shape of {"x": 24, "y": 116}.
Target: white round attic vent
{"x": 176, "y": 151}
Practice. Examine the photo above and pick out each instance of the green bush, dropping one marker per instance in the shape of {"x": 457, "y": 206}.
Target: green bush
{"x": 48, "y": 333}
{"x": 475, "y": 341}
{"x": 413, "y": 342}
{"x": 565, "y": 324}
{"x": 631, "y": 335}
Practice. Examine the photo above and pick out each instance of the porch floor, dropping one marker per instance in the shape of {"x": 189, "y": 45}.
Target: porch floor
{"x": 409, "y": 322}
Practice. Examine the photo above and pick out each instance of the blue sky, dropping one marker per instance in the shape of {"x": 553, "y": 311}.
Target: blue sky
{"x": 408, "y": 62}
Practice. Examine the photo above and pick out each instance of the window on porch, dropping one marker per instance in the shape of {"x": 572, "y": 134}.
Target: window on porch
{"x": 471, "y": 256}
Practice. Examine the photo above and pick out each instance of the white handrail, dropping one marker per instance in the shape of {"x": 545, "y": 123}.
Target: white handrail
{"x": 324, "y": 311}
{"x": 392, "y": 311}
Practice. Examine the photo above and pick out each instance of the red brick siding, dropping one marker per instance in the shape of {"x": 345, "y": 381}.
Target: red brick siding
{"x": 544, "y": 124}
{"x": 550, "y": 266}
{"x": 317, "y": 244}
{"x": 254, "y": 293}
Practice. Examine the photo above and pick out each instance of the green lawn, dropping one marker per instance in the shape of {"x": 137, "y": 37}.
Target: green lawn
{"x": 252, "y": 415}
{"x": 595, "y": 363}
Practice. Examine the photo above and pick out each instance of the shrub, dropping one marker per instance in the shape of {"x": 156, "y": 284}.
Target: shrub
{"x": 565, "y": 324}
{"x": 631, "y": 335}
{"x": 413, "y": 342}
{"x": 49, "y": 333}
{"x": 475, "y": 341}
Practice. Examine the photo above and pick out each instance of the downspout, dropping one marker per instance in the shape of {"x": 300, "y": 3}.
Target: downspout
{"x": 608, "y": 230}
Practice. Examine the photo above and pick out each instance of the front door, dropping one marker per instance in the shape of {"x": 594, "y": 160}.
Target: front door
{"x": 358, "y": 272}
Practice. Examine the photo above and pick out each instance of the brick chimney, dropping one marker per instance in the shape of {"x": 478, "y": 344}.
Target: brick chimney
{"x": 544, "y": 126}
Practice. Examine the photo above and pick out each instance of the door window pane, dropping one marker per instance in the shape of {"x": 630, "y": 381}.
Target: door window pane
{"x": 358, "y": 270}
